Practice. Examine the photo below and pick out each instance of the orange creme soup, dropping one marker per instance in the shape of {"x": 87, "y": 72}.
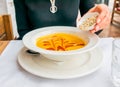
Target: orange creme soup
{"x": 60, "y": 42}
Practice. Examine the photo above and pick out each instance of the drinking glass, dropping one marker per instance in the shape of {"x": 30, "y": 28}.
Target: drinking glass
{"x": 115, "y": 64}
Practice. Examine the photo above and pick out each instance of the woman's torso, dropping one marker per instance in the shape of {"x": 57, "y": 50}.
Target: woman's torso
{"x": 40, "y": 16}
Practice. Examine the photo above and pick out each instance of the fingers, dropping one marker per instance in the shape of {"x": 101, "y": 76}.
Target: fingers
{"x": 101, "y": 16}
{"x": 103, "y": 12}
{"x": 103, "y": 24}
{"x": 92, "y": 9}
{"x": 93, "y": 31}
{"x": 103, "y": 19}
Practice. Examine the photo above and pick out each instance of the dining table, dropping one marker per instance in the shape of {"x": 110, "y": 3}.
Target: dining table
{"x": 13, "y": 75}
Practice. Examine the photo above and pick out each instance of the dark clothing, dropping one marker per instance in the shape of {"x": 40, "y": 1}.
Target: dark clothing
{"x": 32, "y": 14}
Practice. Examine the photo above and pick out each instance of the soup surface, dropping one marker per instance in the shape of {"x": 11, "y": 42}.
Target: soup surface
{"x": 60, "y": 42}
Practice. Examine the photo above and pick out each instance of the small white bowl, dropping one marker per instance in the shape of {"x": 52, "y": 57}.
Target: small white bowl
{"x": 84, "y": 18}
{"x": 29, "y": 40}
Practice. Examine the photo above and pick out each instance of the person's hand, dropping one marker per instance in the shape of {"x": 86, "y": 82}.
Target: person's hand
{"x": 104, "y": 17}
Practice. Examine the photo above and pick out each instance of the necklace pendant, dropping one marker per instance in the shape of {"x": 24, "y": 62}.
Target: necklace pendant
{"x": 53, "y": 9}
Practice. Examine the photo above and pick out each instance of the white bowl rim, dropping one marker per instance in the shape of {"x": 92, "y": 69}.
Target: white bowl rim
{"x": 94, "y": 41}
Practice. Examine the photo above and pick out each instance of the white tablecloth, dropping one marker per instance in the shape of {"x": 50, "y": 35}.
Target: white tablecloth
{"x": 12, "y": 75}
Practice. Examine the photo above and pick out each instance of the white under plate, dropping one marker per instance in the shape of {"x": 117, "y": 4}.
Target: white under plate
{"x": 40, "y": 66}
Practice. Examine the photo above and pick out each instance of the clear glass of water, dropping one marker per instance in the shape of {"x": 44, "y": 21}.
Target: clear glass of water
{"x": 115, "y": 64}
